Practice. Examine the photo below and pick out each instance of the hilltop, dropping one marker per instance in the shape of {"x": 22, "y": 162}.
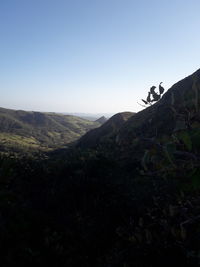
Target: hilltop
{"x": 102, "y": 119}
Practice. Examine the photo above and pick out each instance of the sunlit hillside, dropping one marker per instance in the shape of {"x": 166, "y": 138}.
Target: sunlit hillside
{"x": 33, "y": 131}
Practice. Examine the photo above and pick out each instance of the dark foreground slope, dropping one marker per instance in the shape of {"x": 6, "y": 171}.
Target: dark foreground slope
{"x": 131, "y": 199}
{"x": 20, "y": 130}
{"x": 178, "y": 110}
{"x": 172, "y": 124}
{"x": 104, "y": 134}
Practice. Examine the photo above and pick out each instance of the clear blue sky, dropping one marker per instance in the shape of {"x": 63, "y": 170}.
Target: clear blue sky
{"x": 94, "y": 55}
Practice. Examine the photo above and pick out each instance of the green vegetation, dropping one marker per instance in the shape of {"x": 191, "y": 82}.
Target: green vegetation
{"x": 12, "y": 140}
{"x": 30, "y": 131}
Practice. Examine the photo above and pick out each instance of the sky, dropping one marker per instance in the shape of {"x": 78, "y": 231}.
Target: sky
{"x": 94, "y": 56}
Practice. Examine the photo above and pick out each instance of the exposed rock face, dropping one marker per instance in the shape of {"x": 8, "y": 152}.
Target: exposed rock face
{"x": 106, "y": 132}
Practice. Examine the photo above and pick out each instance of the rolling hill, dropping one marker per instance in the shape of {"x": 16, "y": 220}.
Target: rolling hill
{"x": 22, "y": 130}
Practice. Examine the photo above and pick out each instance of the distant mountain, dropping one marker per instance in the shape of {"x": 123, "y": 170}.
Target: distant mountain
{"x": 90, "y": 116}
{"x": 106, "y": 131}
{"x": 102, "y": 120}
{"x": 36, "y": 130}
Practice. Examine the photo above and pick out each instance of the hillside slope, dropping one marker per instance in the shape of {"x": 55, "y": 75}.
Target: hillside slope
{"x": 177, "y": 110}
{"x": 164, "y": 135}
{"x": 36, "y": 130}
{"x": 105, "y": 132}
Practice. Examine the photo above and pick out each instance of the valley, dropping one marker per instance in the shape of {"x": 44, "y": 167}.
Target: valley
{"x": 31, "y": 131}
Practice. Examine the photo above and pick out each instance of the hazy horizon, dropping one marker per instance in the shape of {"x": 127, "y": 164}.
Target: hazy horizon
{"x": 78, "y": 114}
{"x": 86, "y": 56}
{"x": 65, "y": 112}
